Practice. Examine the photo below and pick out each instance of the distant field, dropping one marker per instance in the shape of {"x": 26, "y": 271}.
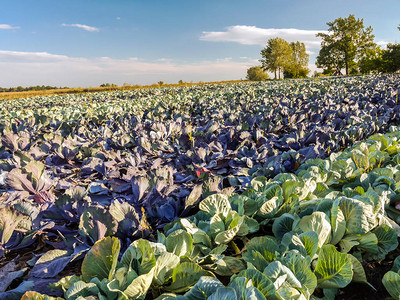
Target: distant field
{"x": 28, "y": 94}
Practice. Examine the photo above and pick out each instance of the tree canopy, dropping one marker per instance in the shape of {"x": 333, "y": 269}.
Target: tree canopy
{"x": 276, "y": 55}
{"x": 378, "y": 60}
{"x": 345, "y": 45}
{"x": 290, "y": 58}
{"x": 391, "y": 58}
{"x": 297, "y": 68}
{"x": 257, "y": 74}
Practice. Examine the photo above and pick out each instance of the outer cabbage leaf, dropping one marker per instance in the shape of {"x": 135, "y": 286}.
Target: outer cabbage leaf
{"x": 226, "y": 293}
{"x": 223, "y": 228}
{"x": 9, "y": 221}
{"x": 334, "y": 269}
{"x": 338, "y": 223}
{"x": 319, "y": 223}
{"x": 180, "y": 243}
{"x": 359, "y": 216}
{"x": 283, "y": 225}
{"x": 204, "y": 288}
{"x": 391, "y": 281}
{"x": 289, "y": 293}
{"x": 96, "y": 223}
{"x": 51, "y": 263}
{"x": 387, "y": 241}
{"x": 276, "y": 272}
{"x": 166, "y": 262}
{"x": 301, "y": 269}
{"x": 261, "y": 251}
{"x": 82, "y": 289}
{"x": 253, "y": 278}
{"x": 216, "y": 204}
{"x": 37, "y": 296}
{"x": 134, "y": 267}
{"x": 101, "y": 260}
{"x": 16, "y": 294}
{"x": 186, "y": 275}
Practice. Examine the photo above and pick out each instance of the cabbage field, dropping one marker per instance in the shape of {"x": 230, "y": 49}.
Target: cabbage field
{"x": 273, "y": 190}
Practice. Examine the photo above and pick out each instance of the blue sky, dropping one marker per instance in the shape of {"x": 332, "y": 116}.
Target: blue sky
{"x": 86, "y": 43}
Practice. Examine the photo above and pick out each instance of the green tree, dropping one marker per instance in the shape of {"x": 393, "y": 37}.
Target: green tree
{"x": 346, "y": 43}
{"x": 108, "y": 85}
{"x": 276, "y": 55}
{"x": 371, "y": 62}
{"x": 256, "y": 74}
{"x": 297, "y": 68}
{"x": 391, "y": 58}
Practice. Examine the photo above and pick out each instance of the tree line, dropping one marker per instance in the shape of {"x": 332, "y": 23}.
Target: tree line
{"x": 348, "y": 46}
{"x": 30, "y": 88}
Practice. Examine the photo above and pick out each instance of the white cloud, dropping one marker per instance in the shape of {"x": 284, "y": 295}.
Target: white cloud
{"x": 43, "y": 68}
{"x": 7, "y": 26}
{"x": 254, "y": 61}
{"x": 37, "y": 68}
{"x": 17, "y": 56}
{"x": 313, "y": 68}
{"x": 252, "y": 35}
{"x": 82, "y": 26}
{"x": 164, "y": 60}
{"x": 382, "y": 43}
{"x": 226, "y": 59}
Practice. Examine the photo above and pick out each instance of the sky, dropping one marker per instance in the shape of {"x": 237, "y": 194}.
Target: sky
{"x": 82, "y": 43}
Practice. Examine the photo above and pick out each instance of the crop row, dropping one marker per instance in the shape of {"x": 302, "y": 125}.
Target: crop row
{"x": 77, "y": 169}
{"x": 154, "y": 150}
{"x": 282, "y": 238}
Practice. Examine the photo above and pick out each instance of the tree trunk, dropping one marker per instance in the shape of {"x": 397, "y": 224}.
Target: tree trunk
{"x": 275, "y": 73}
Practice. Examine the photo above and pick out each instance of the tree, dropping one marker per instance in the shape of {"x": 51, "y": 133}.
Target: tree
{"x": 256, "y": 74}
{"x": 391, "y": 58}
{"x": 329, "y": 59}
{"x": 108, "y": 85}
{"x": 297, "y": 68}
{"x": 345, "y": 45}
{"x": 276, "y": 55}
{"x": 382, "y": 61}
{"x": 371, "y": 62}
